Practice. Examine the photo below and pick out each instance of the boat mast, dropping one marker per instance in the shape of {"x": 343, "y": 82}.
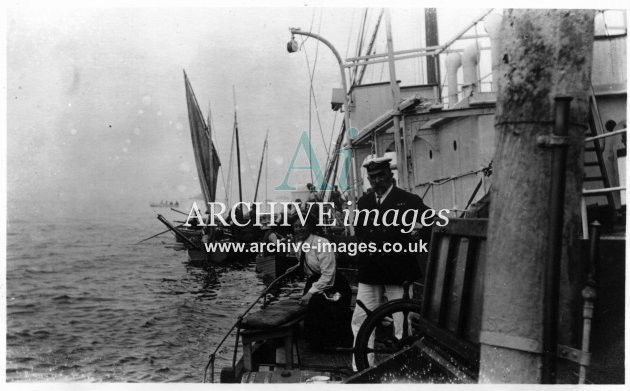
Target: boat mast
{"x": 266, "y": 182}
{"x": 238, "y": 150}
{"x": 211, "y": 126}
{"x": 262, "y": 159}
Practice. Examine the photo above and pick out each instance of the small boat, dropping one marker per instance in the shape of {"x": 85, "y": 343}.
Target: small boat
{"x": 208, "y": 163}
{"x": 164, "y": 204}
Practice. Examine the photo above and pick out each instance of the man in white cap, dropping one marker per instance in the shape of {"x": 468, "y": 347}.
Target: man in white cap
{"x": 380, "y": 273}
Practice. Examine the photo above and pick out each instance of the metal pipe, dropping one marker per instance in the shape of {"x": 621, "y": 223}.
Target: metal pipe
{"x": 410, "y": 57}
{"x": 437, "y": 89}
{"x": 492, "y": 24}
{"x": 556, "y": 225}
{"x": 476, "y": 36}
{"x": 593, "y": 251}
{"x": 463, "y": 31}
{"x": 346, "y": 118}
{"x": 396, "y": 53}
{"x": 603, "y": 191}
{"x": 609, "y": 134}
{"x": 439, "y": 49}
{"x": 470, "y": 59}
{"x": 584, "y": 214}
{"x": 589, "y": 294}
{"x": 453, "y": 62}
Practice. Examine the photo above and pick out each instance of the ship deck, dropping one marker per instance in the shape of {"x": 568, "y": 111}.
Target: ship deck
{"x": 312, "y": 365}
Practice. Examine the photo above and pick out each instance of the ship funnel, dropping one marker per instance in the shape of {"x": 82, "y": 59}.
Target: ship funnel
{"x": 492, "y": 24}
{"x": 470, "y": 59}
{"x": 453, "y": 62}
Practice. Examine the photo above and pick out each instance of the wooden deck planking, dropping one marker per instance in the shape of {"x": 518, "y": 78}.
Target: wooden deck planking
{"x": 323, "y": 360}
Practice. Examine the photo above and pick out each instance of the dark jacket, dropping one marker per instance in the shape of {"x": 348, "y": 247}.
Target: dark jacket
{"x": 393, "y": 267}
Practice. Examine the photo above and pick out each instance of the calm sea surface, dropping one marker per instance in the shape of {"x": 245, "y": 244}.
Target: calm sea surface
{"x": 86, "y": 304}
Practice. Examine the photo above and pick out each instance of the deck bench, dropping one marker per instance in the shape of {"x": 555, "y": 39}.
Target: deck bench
{"x": 276, "y": 321}
{"x": 450, "y": 316}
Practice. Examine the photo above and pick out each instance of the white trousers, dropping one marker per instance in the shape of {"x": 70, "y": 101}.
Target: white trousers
{"x": 372, "y": 297}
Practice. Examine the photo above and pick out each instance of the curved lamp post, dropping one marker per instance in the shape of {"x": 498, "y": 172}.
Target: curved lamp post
{"x": 293, "y": 47}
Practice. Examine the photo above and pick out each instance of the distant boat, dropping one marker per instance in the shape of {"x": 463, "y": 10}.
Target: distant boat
{"x": 165, "y": 204}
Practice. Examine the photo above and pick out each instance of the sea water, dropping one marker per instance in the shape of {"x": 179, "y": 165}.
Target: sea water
{"x": 84, "y": 303}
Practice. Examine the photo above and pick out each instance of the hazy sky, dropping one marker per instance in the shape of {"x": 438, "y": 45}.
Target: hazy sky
{"x": 96, "y": 103}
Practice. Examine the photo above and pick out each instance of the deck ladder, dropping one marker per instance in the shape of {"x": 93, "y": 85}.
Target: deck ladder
{"x": 594, "y": 164}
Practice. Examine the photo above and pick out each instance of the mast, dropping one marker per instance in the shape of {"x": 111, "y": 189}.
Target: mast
{"x": 228, "y": 185}
{"x": 401, "y": 160}
{"x": 238, "y": 150}
{"x": 331, "y": 169}
{"x": 211, "y": 126}
{"x": 266, "y": 182}
{"x": 262, "y": 159}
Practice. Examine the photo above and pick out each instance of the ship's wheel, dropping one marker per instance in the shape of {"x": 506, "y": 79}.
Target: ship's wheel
{"x": 380, "y": 323}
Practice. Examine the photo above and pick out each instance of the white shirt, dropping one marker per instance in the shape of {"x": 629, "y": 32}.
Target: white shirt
{"x": 384, "y": 194}
{"x": 322, "y": 262}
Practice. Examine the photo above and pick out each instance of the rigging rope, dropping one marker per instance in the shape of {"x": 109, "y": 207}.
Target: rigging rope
{"x": 350, "y": 33}
{"x": 487, "y": 171}
{"x": 359, "y": 46}
{"x": 332, "y": 132}
{"x": 332, "y": 160}
{"x": 249, "y": 164}
{"x": 371, "y": 46}
{"x": 312, "y": 95}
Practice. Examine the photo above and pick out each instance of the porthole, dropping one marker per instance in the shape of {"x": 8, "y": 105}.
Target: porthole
{"x": 431, "y": 154}
{"x": 454, "y": 145}
{"x": 610, "y": 125}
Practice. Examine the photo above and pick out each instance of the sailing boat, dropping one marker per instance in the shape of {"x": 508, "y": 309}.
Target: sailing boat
{"x": 206, "y": 156}
{"x": 248, "y": 233}
{"x": 208, "y": 163}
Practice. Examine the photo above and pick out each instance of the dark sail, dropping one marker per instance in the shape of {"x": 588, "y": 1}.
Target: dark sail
{"x": 206, "y": 156}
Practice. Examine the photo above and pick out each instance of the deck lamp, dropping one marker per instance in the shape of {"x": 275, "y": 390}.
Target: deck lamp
{"x": 292, "y": 45}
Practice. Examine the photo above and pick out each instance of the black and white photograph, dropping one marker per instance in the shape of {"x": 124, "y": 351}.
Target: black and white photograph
{"x": 354, "y": 192}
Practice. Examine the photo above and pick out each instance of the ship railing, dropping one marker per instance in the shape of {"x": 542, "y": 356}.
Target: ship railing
{"x": 605, "y": 135}
{"x": 602, "y": 191}
{"x": 611, "y": 22}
